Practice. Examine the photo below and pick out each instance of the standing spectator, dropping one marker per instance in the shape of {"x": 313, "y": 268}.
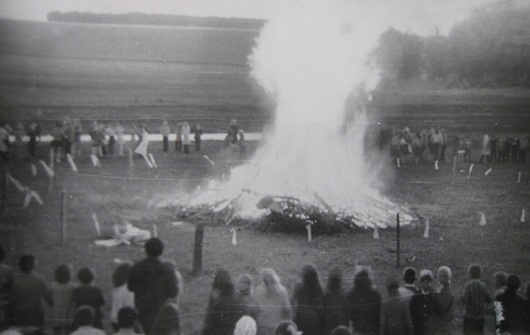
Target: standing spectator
{"x": 197, "y": 137}
{"x": 408, "y": 289}
{"x": 87, "y": 294}
{"x": 443, "y": 146}
{"x": 141, "y": 149}
{"x": 510, "y": 309}
{"x": 164, "y": 130}
{"x": 363, "y": 304}
{"x": 442, "y": 321}
{"x": 57, "y": 140}
{"x": 152, "y": 283}
{"x": 486, "y": 149}
{"x": 493, "y": 144}
{"x": 19, "y": 133}
{"x": 523, "y": 147}
{"x": 422, "y": 306}
{"x": 127, "y": 320}
{"x": 437, "y": 141}
{"x": 334, "y": 300}
{"x": 4, "y": 143}
{"x": 514, "y": 143}
{"x": 121, "y": 296}
{"x": 417, "y": 147}
{"x": 76, "y": 144}
{"x": 233, "y": 130}
{"x": 27, "y": 295}
{"x": 224, "y": 308}
{"x": 468, "y": 144}
{"x": 32, "y": 143}
{"x": 178, "y": 138}
{"x": 68, "y": 137}
{"x": 395, "y": 312}
{"x": 501, "y": 150}
{"x": 499, "y": 281}
{"x": 273, "y": 300}
{"x": 167, "y": 321}
{"x": 474, "y": 298}
{"x": 246, "y": 296}
{"x": 308, "y": 303}
{"x": 172, "y": 266}
{"x": 109, "y": 131}
{"x": 118, "y": 130}
{"x": 97, "y": 140}
{"x": 61, "y": 300}
{"x": 186, "y": 137}
{"x": 84, "y": 318}
{"x": 7, "y": 277}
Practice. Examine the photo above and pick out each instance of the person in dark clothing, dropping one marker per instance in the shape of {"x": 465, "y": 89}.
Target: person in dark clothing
{"x": 422, "y": 304}
{"x": 167, "y": 321}
{"x": 197, "y": 137}
{"x": 308, "y": 302}
{"x": 224, "y": 307}
{"x": 32, "y": 143}
{"x": 27, "y": 294}
{"x": 152, "y": 283}
{"x": 88, "y": 295}
{"x": 334, "y": 300}
{"x": 363, "y": 304}
{"x": 514, "y": 149}
{"x": 510, "y": 308}
{"x": 493, "y": 143}
{"x": 246, "y": 295}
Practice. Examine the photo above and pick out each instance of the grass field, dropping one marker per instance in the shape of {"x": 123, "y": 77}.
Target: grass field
{"x": 143, "y": 88}
{"x": 452, "y": 206}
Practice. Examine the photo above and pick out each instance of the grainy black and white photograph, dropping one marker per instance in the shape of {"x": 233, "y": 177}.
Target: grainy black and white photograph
{"x": 264, "y": 167}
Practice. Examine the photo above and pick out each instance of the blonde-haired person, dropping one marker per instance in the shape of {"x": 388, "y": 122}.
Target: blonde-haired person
{"x": 273, "y": 300}
{"x": 442, "y": 323}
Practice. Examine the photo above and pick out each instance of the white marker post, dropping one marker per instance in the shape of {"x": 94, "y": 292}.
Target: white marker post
{"x": 376, "y": 233}
{"x": 398, "y": 162}
{"x": 15, "y": 182}
{"x": 482, "y": 221}
{"x": 427, "y": 227}
{"x": 71, "y": 162}
{"x": 95, "y": 160}
{"x": 234, "y": 236}
{"x": 488, "y": 171}
{"x": 33, "y": 170}
{"x": 309, "y": 237}
{"x": 470, "y": 171}
{"x": 436, "y": 165}
{"x": 152, "y": 159}
{"x": 97, "y": 226}
{"x": 48, "y": 170}
{"x": 523, "y": 215}
{"x": 131, "y": 164}
{"x": 37, "y": 197}
{"x": 519, "y": 177}
{"x": 155, "y": 230}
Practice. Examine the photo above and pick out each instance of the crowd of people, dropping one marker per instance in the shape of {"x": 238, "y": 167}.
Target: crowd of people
{"x": 145, "y": 299}
{"x": 108, "y": 139}
{"x": 437, "y": 144}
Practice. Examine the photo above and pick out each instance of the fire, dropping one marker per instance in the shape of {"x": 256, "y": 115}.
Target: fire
{"x": 309, "y": 59}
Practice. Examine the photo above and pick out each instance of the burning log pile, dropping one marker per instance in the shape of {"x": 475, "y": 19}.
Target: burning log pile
{"x": 290, "y": 214}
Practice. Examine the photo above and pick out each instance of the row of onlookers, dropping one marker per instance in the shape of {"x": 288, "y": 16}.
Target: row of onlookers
{"x": 147, "y": 291}
{"x": 437, "y": 145}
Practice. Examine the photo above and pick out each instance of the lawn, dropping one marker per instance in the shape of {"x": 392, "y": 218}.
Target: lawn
{"x": 452, "y": 206}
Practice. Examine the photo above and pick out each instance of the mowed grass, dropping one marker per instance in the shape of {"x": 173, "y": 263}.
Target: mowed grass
{"x": 452, "y": 206}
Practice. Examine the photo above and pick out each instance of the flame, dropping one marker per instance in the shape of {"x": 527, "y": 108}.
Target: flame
{"x": 309, "y": 58}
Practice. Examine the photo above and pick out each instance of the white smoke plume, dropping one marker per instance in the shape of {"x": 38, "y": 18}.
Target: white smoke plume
{"x": 310, "y": 58}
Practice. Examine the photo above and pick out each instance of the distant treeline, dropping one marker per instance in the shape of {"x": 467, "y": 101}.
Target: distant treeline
{"x": 155, "y": 19}
{"x": 490, "y": 48}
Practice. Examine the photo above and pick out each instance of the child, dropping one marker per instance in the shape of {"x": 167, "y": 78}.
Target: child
{"x": 121, "y": 296}
{"x": 178, "y": 139}
{"x": 247, "y": 297}
{"x": 198, "y": 134}
{"x": 89, "y": 295}
{"x": 164, "y": 130}
{"x": 127, "y": 320}
{"x": 84, "y": 318}
{"x": 474, "y": 298}
{"x": 61, "y": 293}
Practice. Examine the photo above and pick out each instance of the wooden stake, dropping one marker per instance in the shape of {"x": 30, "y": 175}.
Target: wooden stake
{"x": 309, "y": 237}
{"x": 470, "y": 170}
{"x": 234, "y": 236}
{"x": 197, "y": 248}
{"x": 63, "y": 217}
{"x": 397, "y": 242}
